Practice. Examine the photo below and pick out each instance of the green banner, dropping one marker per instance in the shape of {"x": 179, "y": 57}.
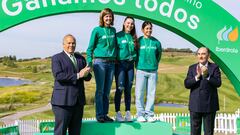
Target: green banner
{"x": 201, "y": 22}
{"x": 238, "y": 125}
{"x": 46, "y": 127}
{"x": 9, "y": 130}
{"x": 183, "y": 124}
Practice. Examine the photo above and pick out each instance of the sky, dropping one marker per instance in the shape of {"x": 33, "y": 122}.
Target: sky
{"x": 43, "y": 37}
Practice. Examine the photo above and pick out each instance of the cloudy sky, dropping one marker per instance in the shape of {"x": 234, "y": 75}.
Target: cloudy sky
{"x": 43, "y": 37}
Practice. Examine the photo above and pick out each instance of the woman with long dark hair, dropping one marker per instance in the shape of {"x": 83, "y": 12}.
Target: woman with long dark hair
{"x": 149, "y": 55}
{"x": 124, "y": 74}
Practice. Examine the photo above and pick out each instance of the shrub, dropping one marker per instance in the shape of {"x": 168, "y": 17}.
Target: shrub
{"x": 34, "y": 69}
{"x": 20, "y": 97}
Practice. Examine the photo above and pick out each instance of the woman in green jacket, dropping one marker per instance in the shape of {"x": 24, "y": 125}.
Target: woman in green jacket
{"x": 102, "y": 48}
{"x": 149, "y": 55}
{"x": 124, "y": 74}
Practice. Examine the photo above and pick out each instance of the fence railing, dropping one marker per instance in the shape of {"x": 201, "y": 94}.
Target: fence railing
{"x": 224, "y": 123}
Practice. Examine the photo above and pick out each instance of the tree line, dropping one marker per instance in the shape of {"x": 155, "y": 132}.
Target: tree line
{"x": 11, "y": 59}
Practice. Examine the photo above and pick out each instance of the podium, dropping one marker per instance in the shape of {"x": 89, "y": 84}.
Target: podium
{"x": 126, "y": 128}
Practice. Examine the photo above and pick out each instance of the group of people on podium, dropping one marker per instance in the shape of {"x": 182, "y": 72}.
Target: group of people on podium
{"x": 112, "y": 53}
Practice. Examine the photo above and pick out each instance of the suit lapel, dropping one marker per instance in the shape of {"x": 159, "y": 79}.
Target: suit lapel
{"x": 195, "y": 70}
{"x": 210, "y": 69}
{"x": 66, "y": 58}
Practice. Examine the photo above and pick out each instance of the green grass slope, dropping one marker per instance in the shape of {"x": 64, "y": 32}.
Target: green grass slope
{"x": 170, "y": 89}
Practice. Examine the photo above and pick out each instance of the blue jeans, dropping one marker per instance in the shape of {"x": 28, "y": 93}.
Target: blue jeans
{"x": 145, "y": 80}
{"x": 124, "y": 76}
{"x": 103, "y": 72}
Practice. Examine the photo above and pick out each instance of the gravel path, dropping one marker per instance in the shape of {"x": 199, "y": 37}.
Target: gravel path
{"x": 10, "y": 119}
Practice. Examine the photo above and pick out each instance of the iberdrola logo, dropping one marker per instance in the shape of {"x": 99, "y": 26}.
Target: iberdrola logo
{"x": 227, "y": 34}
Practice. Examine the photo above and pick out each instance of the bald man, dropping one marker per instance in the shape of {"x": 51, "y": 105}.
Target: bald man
{"x": 203, "y": 79}
{"x": 68, "y": 97}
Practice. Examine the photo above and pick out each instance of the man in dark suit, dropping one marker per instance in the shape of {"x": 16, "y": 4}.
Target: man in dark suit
{"x": 68, "y": 97}
{"x": 203, "y": 79}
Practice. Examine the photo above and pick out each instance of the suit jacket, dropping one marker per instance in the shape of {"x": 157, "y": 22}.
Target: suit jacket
{"x": 68, "y": 90}
{"x": 203, "y": 93}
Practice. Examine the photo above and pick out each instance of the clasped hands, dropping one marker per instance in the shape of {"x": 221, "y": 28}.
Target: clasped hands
{"x": 84, "y": 72}
{"x": 202, "y": 71}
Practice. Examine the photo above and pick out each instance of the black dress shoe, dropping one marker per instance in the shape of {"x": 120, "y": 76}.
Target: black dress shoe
{"x": 108, "y": 119}
{"x": 101, "y": 119}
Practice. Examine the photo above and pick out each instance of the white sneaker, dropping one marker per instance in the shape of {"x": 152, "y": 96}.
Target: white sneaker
{"x": 128, "y": 116}
{"x": 141, "y": 119}
{"x": 119, "y": 117}
{"x": 150, "y": 119}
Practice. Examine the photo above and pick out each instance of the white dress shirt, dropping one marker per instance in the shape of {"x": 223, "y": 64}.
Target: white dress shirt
{"x": 69, "y": 55}
{"x": 201, "y": 65}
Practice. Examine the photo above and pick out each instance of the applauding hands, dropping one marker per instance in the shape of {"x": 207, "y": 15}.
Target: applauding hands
{"x": 202, "y": 71}
{"x": 84, "y": 72}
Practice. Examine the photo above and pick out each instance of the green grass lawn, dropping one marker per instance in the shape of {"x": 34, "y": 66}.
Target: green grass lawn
{"x": 170, "y": 89}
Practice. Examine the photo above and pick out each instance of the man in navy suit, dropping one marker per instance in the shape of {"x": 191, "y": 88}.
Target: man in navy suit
{"x": 203, "y": 79}
{"x": 68, "y": 97}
